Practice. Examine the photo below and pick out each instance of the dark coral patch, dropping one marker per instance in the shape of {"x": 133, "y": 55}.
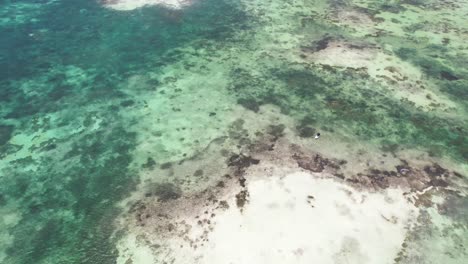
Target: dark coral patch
{"x": 276, "y": 131}
{"x": 250, "y": 104}
{"x": 242, "y": 199}
{"x": 306, "y": 131}
{"x": 166, "y": 192}
{"x": 318, "y": 45}
{"x": 240, "y": 162}
{"x": 149, "y": 164}
{"x": 315, "y": 164}
{"x": 435, "y": 170}
{"x": 6, "y": 132}
{"x": 198, "y": 173}
{"x": 166, "y": 166}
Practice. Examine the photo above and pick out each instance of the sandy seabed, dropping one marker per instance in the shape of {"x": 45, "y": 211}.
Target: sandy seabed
{"x": 299, "y": 218}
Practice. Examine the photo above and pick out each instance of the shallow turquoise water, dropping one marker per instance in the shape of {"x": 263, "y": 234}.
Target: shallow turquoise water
{"x": 67, "y": 144}
{"x": 65, "y": 187}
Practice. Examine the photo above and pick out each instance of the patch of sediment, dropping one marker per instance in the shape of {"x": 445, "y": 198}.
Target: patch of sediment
{"x": 335, "y": 52}
{"x": 126, "y": 5}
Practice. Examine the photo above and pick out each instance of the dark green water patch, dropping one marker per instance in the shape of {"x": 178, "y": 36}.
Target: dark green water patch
{"x": 6, "y": 131}
{"x": 458, "y": 89}
{"x": 431, "y": 66}
{"x": 63, "y": 207}
{"x": 446, "y": 71}
{"x": 387, "y": 6}
{"x": 165, "y": 191}
{"x": 84, "y": 34}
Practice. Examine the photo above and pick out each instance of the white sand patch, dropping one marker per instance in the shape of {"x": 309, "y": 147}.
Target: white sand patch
{"x": 361, "y": 23}
{"x": 342, "y": 54}
{"x": 137, "y": 252}
{"x": 405, "y": 81}
{"x": 299, "y": 218}
{"x": 355, "y": 18}
{"x": 126, "y": 5}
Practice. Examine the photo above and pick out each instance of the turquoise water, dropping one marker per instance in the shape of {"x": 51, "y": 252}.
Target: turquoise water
{"x": 58, "y": 81}
{"x": 73, "y": 115}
